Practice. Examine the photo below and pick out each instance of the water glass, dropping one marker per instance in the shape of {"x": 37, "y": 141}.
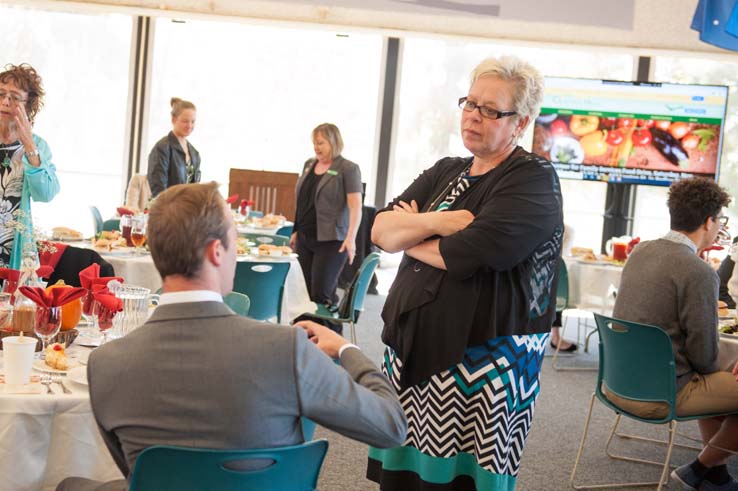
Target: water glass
{"x": 135, "y": 308}
{"x": 47, "y": 325}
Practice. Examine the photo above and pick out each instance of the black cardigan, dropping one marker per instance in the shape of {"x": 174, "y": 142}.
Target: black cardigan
{"x": 500, "y": 269}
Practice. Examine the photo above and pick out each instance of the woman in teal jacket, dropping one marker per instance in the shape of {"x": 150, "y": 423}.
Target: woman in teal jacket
{"x": 26, "y": 171}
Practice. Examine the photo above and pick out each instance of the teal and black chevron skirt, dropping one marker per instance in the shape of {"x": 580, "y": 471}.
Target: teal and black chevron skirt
{"x": 467, "y": 425}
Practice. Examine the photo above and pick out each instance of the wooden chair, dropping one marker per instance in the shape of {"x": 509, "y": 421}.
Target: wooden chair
{"x": 271, "y": 192}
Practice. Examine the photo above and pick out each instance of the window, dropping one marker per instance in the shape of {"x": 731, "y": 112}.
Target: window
{"x": 435, "y": 73}
{"x": 83, "y": 60}
{"x": 715, "y": 72}
{"x": 261, "y": 90}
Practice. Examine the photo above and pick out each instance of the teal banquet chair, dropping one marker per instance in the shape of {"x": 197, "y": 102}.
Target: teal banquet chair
{"x": 97, "y": 219}
{"x": 285, "y": 231}
{"x": 167, "y": 468}
{"x": 637, "y": 363}
{"x": 352, "y": 302}
{"x": 111, "y": 224}
{"x": 263, "y": 283}
{"x": 238, "y": 302}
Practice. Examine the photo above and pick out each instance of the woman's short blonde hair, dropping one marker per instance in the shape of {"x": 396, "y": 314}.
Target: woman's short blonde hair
{"x": 331, "y": 133}
{"x": 527, "y": 82}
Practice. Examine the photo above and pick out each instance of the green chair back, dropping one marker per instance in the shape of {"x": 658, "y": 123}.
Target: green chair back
{"x": 356, "y": 292}
{"x": 636, "y": 362}
{"x": 263, "y": 283}
{"x": 276, "y": 240}
{"x": 111, "y": 224}
{"x": 562, "y": 288}
{"x": 285, "y": 231}
{"x": 97, "y": 219}
{"x": 238, "y": 302}
{"x": 192, "y": 469}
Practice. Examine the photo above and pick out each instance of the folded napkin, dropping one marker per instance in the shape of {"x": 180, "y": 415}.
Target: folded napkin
{"x": 122, "y": 210}
{"x": 108, "y": 300}
{"x": 91, "y": 276}
{"x": 232, "y": 199}
{"x": 50, "y": 259}
{"x": 56, "y": 297}
{"x": 9, "y": 274}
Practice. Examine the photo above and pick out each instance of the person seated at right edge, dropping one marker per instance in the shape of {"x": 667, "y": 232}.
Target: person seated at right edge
{"x": 666, "y": 284}
{"x": 198, "y": 375}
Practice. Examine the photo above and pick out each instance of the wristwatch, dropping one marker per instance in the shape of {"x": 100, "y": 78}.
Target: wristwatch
{"x": 32, "y": 153}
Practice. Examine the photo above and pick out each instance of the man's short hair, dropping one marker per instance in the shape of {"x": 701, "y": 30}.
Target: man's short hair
{"x": 692, "y": 201}
{"x": 183, "y": 220}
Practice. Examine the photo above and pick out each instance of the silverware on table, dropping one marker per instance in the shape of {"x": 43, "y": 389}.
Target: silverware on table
{"x": 58, "y": 380}
{"x": 46, "y": 381}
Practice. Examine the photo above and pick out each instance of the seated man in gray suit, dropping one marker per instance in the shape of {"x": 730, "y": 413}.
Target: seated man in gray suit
{"x": 198, "y": 375}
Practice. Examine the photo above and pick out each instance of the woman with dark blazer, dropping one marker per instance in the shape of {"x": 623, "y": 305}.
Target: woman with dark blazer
{"x": 174, "y": 160}
{"x": 328, "y": 214}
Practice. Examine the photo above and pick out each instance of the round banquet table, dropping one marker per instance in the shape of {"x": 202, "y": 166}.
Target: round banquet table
{"x": 140, "y": 271}
{"x": 47, "y": 437}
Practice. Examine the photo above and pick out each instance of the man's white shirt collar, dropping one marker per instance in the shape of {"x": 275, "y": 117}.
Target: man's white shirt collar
{"x": 190, "y": 296}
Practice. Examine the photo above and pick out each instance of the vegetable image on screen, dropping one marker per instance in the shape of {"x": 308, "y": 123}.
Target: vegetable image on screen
{"x": 643, "y": 133}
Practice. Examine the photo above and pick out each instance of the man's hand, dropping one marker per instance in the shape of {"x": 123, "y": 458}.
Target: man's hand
{"x": 735, "y": 372}
{"x": 328, "y": 341}
{"x": 449, "y": 222}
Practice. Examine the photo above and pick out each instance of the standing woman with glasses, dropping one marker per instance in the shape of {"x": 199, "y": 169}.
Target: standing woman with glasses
{"x": 468, "y": 315}
{"x": 174, "y": 160}
{"x": 328, "y": 214}
{"x": 26, "y": 171}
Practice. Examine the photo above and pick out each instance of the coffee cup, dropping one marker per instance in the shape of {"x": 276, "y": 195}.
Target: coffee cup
{"x": 18, "y": 358}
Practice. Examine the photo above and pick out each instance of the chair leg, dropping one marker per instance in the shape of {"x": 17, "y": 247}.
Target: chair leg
{"x": 353, "y": 332}
{"x": 581, "y": 444}
{"x": 664, "y": 473}
{"x": 626, "y": 436}
{"x": 559, "y": 368}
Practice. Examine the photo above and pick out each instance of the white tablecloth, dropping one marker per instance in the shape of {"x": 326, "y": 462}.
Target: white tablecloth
{"x": 46, "y": 438}
{"x": 593, "y": 286}
{"x": 140, "y": 271}
{"x": 728, "y": 352}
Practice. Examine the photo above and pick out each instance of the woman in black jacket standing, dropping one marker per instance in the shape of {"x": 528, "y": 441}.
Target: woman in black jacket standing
{"x": 328, "y": 214}
{"x": 174, "y": 160}
{"x": 468, "y": 316}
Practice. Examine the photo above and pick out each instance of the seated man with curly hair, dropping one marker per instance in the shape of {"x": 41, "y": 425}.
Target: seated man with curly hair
{"x": 681, "y": 294}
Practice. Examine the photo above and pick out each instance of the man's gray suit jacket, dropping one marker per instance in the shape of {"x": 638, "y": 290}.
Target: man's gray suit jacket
{"x": 198, "y": 375}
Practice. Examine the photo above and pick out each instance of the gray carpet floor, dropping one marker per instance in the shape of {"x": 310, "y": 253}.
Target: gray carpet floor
{"x": 552, "y": 443}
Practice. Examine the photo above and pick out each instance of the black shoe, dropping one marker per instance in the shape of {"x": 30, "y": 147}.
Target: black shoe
{"x": 572, "y": 348}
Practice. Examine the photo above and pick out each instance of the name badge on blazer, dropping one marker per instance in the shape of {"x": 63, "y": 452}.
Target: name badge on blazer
{"x": 331, "y": 172}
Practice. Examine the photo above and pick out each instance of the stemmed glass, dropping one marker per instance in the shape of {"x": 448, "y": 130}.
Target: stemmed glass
{"x": 48, "y": 322}
{"x": 138, "y": 233}
{"x": 104, "y": 319}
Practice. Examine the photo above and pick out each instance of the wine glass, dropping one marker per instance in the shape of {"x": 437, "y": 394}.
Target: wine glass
{"x": 47, "y": 325}
{"x": 138, "y": 233}
{"x": 104, "y": 319}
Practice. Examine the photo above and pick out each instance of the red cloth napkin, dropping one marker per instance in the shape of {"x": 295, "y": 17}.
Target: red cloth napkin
{"x": 108, "y": 300}
{"x": 122, "y": 210}
{"x": 9, "y": 274}
{"x": 56, "y": 297}
{"x": 50, "y": 259}
{"x": 44, "y": 271}
{"x": 91, "y": 276}
{"x": 232, "y": 199}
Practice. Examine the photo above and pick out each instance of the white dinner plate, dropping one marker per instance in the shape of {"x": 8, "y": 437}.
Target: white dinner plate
{"x": 78, "y": 375}
{"x": 41, "y": 366}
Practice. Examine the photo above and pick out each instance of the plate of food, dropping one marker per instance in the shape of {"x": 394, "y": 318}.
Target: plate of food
{"x": 78, "y": 375}
{"x": 56, "y": 360}
{"x": 66, "y": 234}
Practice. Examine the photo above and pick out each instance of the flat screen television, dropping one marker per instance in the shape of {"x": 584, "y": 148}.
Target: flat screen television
{"x": 631, "y": 132}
